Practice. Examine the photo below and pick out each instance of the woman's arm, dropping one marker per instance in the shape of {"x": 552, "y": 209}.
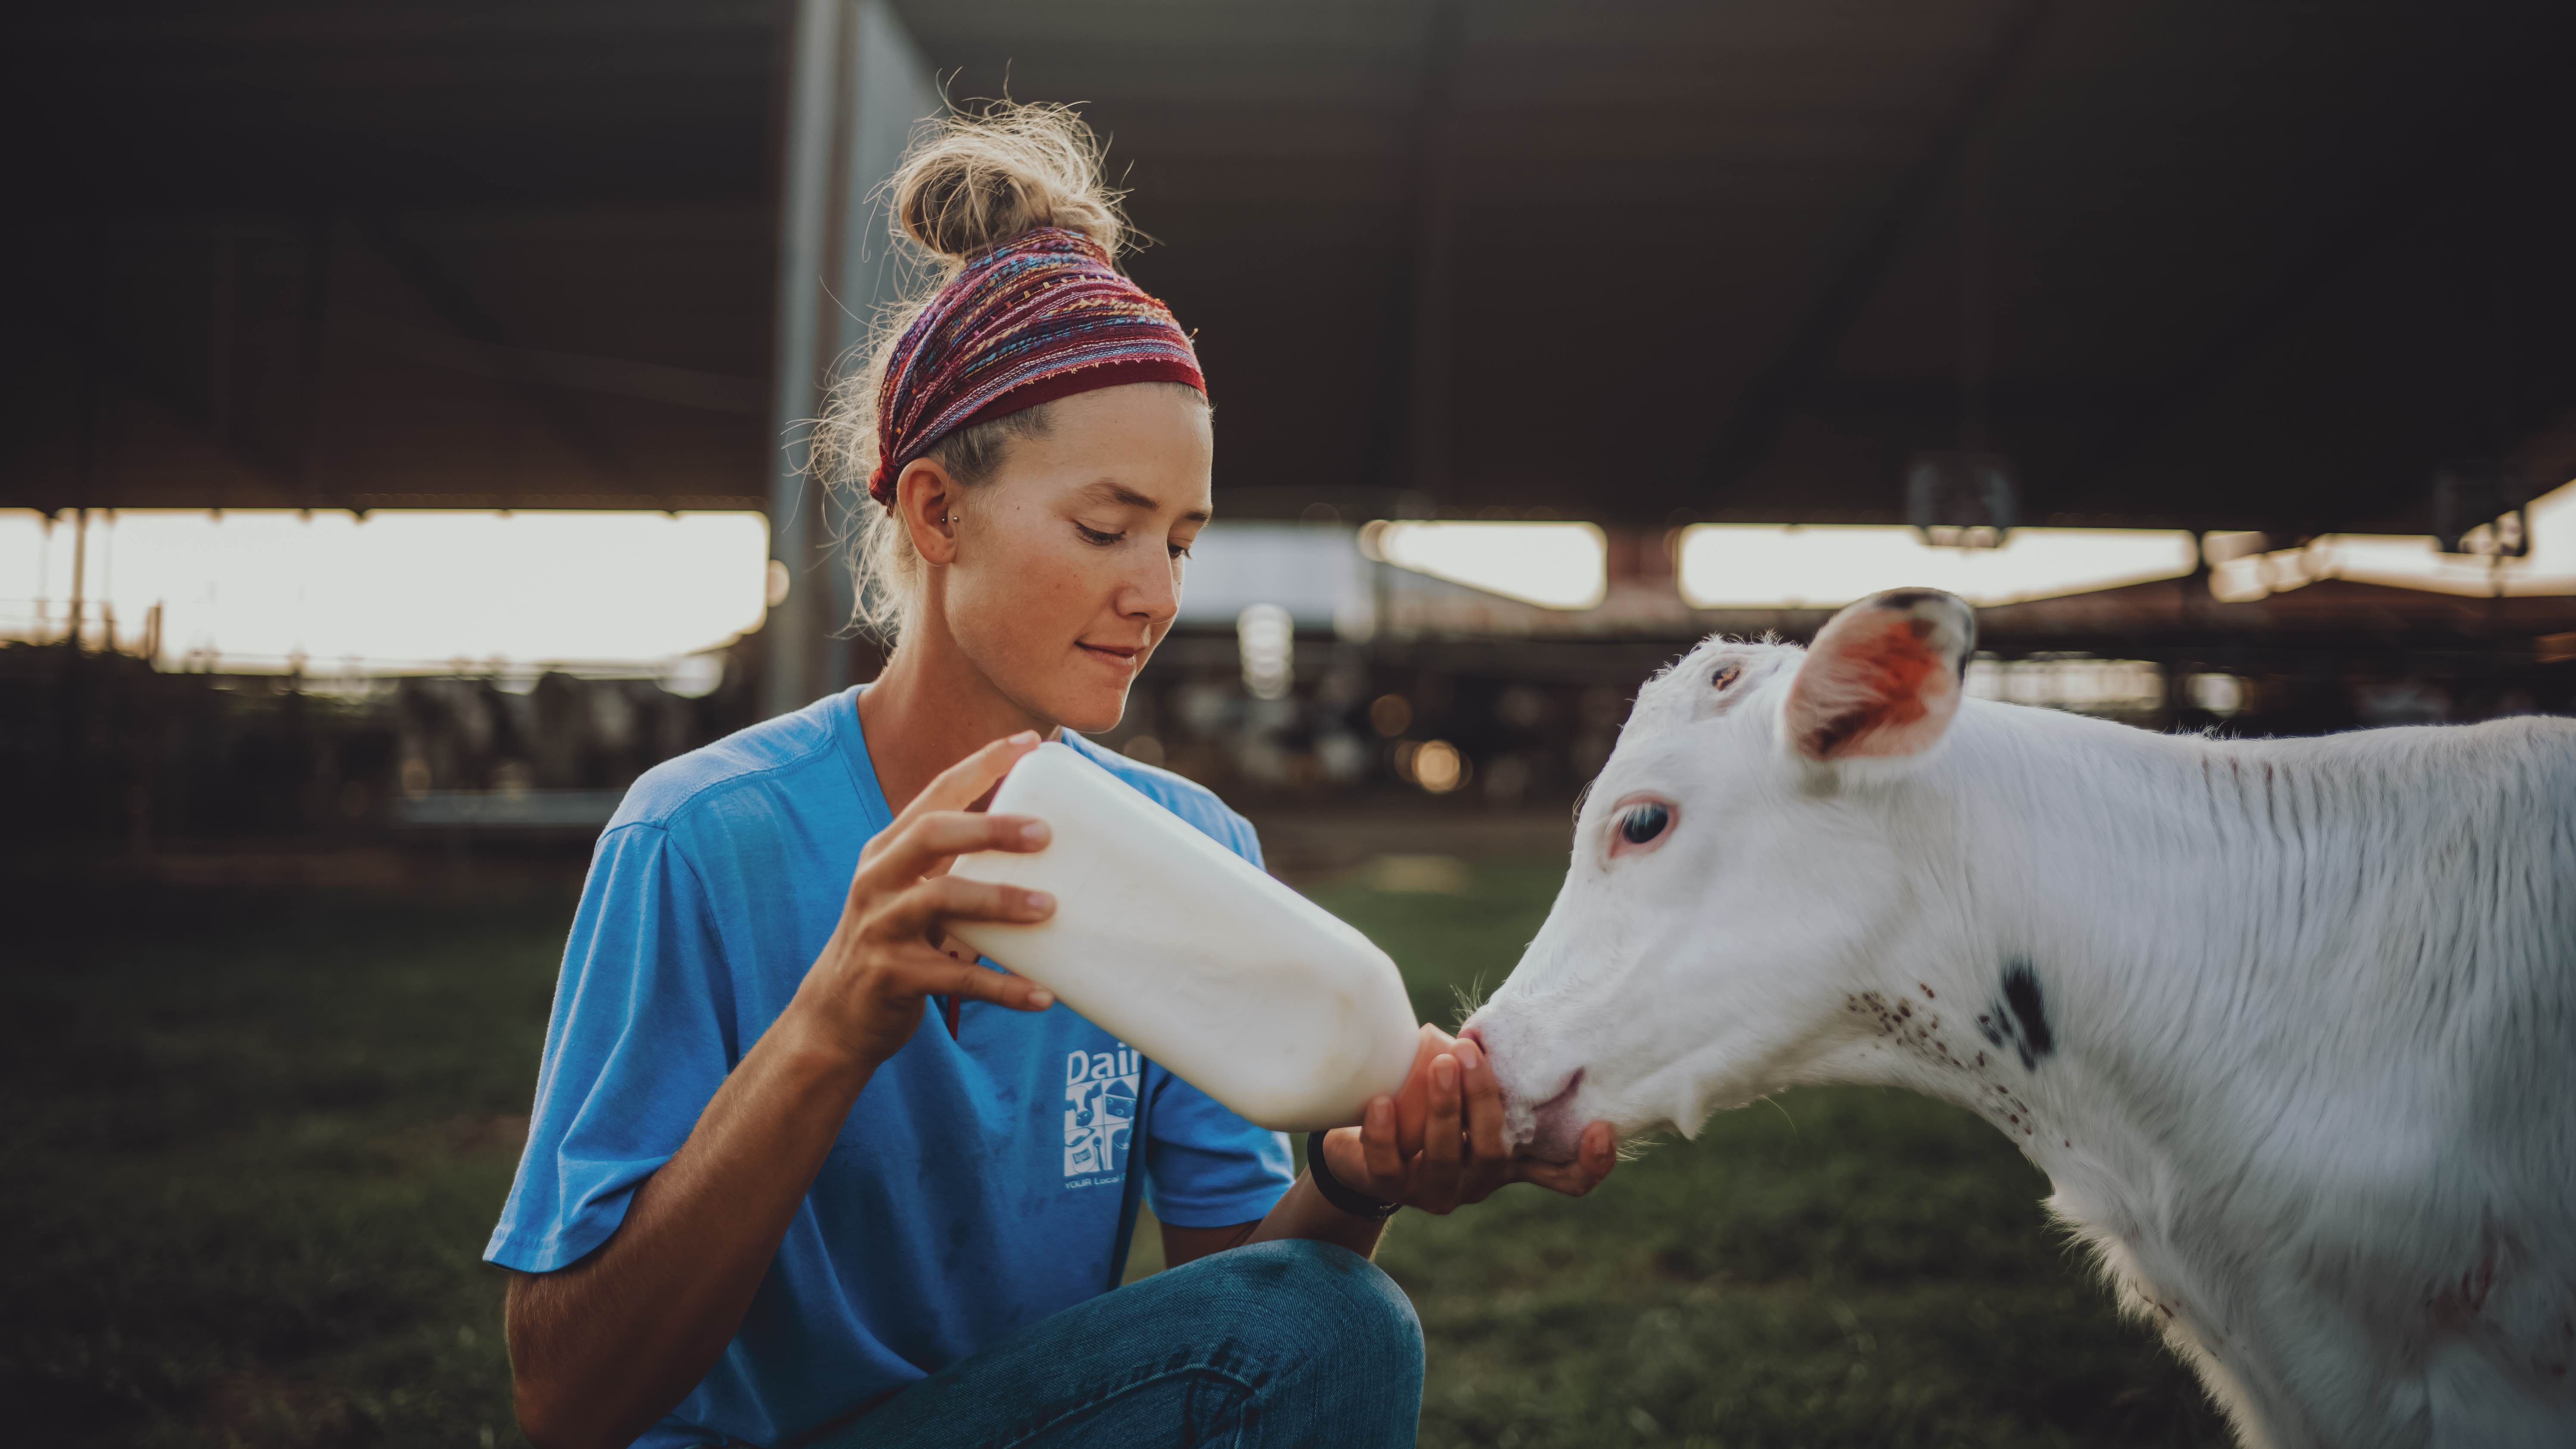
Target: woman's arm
{"x": 1463, "y": 1160}
{"x": 601, "y": 1349}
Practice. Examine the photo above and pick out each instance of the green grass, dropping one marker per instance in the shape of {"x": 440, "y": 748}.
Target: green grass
{"x": 249, "y": 1152}
{"x": 250, "y": 1148}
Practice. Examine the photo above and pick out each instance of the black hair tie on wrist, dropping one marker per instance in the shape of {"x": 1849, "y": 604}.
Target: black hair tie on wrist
{"x": 1357, "y": 1204}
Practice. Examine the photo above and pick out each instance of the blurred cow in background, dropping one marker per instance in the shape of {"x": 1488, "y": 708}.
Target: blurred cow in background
{"x": 2290, "y": 1024}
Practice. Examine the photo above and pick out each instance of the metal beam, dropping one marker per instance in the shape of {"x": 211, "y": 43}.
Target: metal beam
{"x": 313, "y": 304}
{"x": 856, "y": 86}
{"x": 805, "y": 194}
{"x": 1428, "y": 393}
{"x": 1406, "y": 438}
{"x": 1762, "y": 408}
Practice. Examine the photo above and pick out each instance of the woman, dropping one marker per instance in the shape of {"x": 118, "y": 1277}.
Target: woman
{"x": 768, "y": 1196}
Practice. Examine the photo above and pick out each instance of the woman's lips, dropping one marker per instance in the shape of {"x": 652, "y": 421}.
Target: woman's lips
{"x": 1115, "y": 656}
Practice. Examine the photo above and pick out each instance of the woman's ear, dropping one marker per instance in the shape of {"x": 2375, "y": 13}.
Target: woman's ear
{"x": 926, "y": 498}
{"x": 1882, "y": 679}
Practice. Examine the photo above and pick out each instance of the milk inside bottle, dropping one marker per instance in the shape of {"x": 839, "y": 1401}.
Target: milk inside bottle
{"x": 1191, "y": 954}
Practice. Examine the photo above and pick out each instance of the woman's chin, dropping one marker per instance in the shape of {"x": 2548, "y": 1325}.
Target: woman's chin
{"x": 1091, "y": 711}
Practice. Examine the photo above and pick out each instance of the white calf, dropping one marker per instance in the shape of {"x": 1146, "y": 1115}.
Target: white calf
{"x": 2290, "y": 1024}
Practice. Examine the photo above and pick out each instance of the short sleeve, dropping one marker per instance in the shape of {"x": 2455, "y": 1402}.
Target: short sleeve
{"x": 1205, "y": 1167}
{"x": 639, "y": 1041}
{"x": 1242, "y": 839}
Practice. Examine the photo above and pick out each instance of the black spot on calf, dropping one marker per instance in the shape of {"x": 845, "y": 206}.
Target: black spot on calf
{"x": 2020, "y": 1018}
{"x": 2021, "y": 993}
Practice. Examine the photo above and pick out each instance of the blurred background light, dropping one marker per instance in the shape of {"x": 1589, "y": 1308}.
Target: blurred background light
{"x": 2242, "y": 571}
{"x": 2079, "y": 683}
{"x": 1390, "y": 715}
{"x": 1267, "y": 639}
{"x": 1436, "y": 765}
{"x": 2219, "y": 694}
{"x": 1553, "y": 565}
{"x": 1312, "y": 570}
{"x": 1825, "y": 566}
{"x": 270, "y": 590}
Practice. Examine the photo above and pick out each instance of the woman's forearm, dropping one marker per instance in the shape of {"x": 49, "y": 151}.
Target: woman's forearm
{"x": 1303, "y": 1213}
{"x": 604, "y": 1347}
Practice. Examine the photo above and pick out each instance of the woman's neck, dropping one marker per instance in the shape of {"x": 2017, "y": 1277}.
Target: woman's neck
{"x": 931, "y": 707}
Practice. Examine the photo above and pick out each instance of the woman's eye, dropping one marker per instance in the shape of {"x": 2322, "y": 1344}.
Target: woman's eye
{"x": 1096, "y": 536}
{"x": 1642, "y": 823}
{"x": 1180, "y": 550}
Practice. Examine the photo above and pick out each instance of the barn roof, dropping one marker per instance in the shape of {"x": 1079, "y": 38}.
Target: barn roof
{"x": 2215, "y": 265}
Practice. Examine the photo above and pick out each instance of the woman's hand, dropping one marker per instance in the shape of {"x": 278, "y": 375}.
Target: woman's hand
{"x": 863, "y": 997}
{"x": 1463, "y": 1157}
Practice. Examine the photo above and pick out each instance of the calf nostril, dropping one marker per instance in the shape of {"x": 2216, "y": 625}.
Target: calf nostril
{"x": 1475, "y": 1034}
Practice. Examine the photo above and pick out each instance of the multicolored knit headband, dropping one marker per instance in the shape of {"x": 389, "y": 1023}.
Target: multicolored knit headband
{"x": 1040, "y": 317}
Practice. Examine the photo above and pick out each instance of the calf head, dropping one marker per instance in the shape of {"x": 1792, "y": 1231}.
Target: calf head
{"x": 1753, "y": 853}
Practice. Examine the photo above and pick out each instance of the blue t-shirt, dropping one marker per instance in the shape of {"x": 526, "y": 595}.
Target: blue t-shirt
{"x": 980, "y": 1183}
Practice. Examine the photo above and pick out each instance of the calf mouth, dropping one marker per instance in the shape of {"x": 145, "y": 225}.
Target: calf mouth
{"x": 1556, "y": 1133}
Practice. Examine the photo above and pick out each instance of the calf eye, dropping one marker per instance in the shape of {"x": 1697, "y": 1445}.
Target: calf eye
{"x": 1640, "y": 823}
{"x": 1643, "y": 822}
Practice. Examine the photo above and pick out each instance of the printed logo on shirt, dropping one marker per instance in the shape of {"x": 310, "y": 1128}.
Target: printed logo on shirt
{"x": 1099, "y": 1114}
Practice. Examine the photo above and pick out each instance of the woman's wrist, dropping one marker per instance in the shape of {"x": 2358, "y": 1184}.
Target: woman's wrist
{"x": 1343, "y": 1197}
{"x": 810, "y": 1046}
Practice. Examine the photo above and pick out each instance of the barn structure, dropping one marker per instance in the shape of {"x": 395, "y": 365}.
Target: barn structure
{"x": 2268, "y": 274}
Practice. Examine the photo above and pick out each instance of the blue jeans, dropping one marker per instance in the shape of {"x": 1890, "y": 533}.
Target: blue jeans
{"x": 1269, "y": 1346}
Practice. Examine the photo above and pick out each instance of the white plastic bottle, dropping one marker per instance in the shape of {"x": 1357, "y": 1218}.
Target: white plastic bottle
{"x": 1192, "y": 955}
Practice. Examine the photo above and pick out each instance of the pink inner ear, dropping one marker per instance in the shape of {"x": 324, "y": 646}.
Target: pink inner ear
{"x": 1872, "y": 688}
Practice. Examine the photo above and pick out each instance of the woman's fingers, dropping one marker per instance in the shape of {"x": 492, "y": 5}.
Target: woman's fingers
{"x": 908, "y": 971}
{"x": 956, "y": 788}
{"x": 1443, "y": 1128}
{"x": 924, "y": 846}
{"x": 1599, "y": 1149}
{"x": 972, "y": 982}
{"x": 1435, "y": 1187}
{"x": 1379, "y": 1148}
{"x": 1484, "y": 1103}
{"x": 964, "y": 783}
{"x": 1413, "y": 1099}
{"x": 1488, "y": 1164}
{"x": 914, "y": 911}
{"x": 1595, "y": 1154}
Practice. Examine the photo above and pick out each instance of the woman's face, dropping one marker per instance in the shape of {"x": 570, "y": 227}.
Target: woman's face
{"x": 1068, "y": 564}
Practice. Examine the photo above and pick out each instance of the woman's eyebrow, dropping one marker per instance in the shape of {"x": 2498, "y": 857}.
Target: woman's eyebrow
{"x": 1109, "y": 491}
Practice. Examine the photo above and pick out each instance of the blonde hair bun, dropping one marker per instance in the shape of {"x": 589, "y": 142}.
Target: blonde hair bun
{"x": 971, "y": 181}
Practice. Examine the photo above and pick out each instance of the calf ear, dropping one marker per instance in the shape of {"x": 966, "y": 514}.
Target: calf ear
{"x": 1882, "y": 679}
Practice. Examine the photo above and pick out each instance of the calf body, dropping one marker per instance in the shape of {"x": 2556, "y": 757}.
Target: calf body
{"x": 2290, "y": 1025}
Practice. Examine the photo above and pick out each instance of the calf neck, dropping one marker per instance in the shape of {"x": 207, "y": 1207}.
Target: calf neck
{"x": 2290, "y": 1025}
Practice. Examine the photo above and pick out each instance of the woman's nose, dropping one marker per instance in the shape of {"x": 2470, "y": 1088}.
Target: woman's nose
{"x": 1154, "y": 594}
